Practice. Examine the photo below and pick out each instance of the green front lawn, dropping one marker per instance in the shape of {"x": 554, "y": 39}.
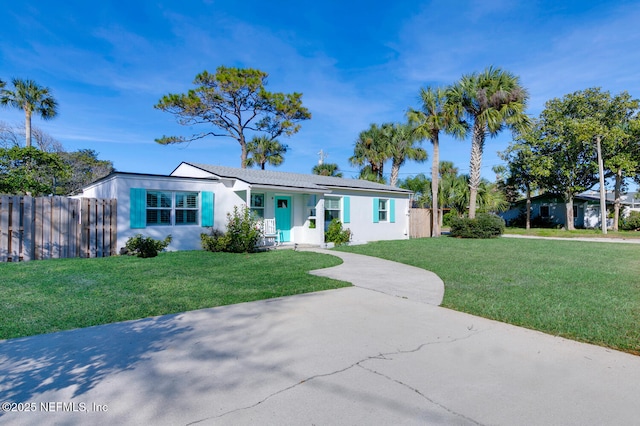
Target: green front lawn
{"x": 585, "y": 291}
{"x": 51, "y": 295}
{"x": 583, "y": 233}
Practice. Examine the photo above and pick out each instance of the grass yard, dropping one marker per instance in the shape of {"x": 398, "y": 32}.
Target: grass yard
{"x": 582, "y": 233}
{"x": 585, "y": 291}
{"x": 53, "y": 295}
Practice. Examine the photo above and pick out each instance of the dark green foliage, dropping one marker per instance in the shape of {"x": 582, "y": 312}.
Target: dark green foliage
{"x": 29, "y": 170}
{"x": 142, "y": 246}
{"x": 483, "y": 226}
{"x": 631, "y": 223}
{"x": 242, "y": 236}
{"x": 335, "y": 234}
{"x": 85, "y": 168}
{"x": 448, "y": 217}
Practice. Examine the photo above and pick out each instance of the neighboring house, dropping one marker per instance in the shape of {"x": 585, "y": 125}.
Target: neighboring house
{"x": 197, "y": 197}
{"x": 551, "y": 208}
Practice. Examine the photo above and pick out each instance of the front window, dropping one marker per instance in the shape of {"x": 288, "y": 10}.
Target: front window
{"x": 167, "y": 208}
{"x": 331, "y": 209}
{"x": 382, "y": 210}
{"x": 257, "y": 205}
{"x": 159, "y": 208}
{"x": 186, "y": 208}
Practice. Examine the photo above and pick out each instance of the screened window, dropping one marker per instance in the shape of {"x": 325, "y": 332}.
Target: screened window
{"x": 186, "y": 208}
{"x": 383, "y": 210}
{"x": 158, "y": 208}
{"x": 257, "y": 205}
{"x": 331, "y": 209}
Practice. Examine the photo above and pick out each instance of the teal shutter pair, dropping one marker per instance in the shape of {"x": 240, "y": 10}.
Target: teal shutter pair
{"x": 376, "y": 210}
{"x": 138, "y": 208}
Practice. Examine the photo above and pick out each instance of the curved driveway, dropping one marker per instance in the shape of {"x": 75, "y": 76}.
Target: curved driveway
{"x": 350, "y": 356}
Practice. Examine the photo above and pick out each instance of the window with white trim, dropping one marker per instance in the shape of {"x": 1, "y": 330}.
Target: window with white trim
{"x": 186, "y": 208}
{"x": 383, "y": 206}
{"x": 172, "y": 208}
{"x": 159, "y": 208}
{"x": 257, "y": 205}
{"x": 331, "y": 209}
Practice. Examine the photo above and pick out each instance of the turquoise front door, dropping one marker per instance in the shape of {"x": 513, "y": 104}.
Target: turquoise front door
{"x": 283, "y": 218}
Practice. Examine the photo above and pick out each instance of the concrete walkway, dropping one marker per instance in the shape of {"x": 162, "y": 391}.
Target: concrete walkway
{"x": 370, "y": 355}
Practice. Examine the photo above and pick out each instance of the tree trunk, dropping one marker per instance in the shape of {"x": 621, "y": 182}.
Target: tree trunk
{"x": 616, "y": 195}
{"x": 435, "y": 168}
{"x": 528, "y": 222}
{"x": 243, "y": 155}
{"x": 27, "y": 126}
{"x": 477, "y": 145}
{"x": 395, "y": 171}
{"x": 569, "y": 213}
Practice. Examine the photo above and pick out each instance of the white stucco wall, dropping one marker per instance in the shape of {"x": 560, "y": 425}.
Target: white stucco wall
{"x": 185, "y": 237}
{"x": 230, "y": 193}
{"x": 362, "y": 226}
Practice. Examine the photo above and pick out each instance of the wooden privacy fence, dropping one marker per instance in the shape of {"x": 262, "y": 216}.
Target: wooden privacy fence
{"x": 419, "y": 223}
{"x": 56, "y": 227}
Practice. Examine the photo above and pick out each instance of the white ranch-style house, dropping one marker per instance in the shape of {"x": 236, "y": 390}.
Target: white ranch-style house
{"x": 197, "y": 197}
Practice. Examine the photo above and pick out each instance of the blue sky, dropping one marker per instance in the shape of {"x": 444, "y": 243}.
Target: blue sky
{"x": 356, "y": 63}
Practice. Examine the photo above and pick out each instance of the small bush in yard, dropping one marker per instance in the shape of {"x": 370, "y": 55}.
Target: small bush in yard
{"x": 216, "y": 241}
{"x": 335, "y": 234}
{"x": 242, "y": 236}
{"x": 483, "y": 226}
{"x": 142, "y": 246}
{"x": 630, "y": 223}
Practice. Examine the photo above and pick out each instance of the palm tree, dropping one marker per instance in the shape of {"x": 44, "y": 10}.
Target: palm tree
{"x": 491, "y": 100}
{"x": 402, "y": 140}
{"x": 435, "y": 116}
{"x": 371, "y": 150}
{"x": 327, "y": 169}
{"x": 420, "y": 185}
{"x": 262, "y": 150}
{"x": 30, "y": 97}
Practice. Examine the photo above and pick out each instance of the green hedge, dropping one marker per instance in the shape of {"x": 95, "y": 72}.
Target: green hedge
{"x": 483, "y": 226}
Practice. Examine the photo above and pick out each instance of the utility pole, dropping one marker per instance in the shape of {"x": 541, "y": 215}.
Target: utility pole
{"x": 322, "y": 156}
{"x": 603, "y": 198}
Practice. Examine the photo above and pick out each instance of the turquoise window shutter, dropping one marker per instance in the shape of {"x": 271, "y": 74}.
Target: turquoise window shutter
{"x": 376, "y": 210}
{"x": 346, "y": 209}
{"x": 208, "y": 206}
{"x": 392, "y": 211}
{"x": 138, "y": 208}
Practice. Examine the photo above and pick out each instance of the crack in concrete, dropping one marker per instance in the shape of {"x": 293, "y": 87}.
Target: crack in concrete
{"x": 380, "y": 356}
{"x": 432, "y": 401}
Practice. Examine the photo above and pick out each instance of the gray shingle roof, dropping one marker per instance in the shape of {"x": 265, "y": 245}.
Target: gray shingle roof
{"x": 294, "y": 180}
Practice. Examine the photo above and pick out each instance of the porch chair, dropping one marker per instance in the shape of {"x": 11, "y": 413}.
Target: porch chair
{"x": 270, "y": 233}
